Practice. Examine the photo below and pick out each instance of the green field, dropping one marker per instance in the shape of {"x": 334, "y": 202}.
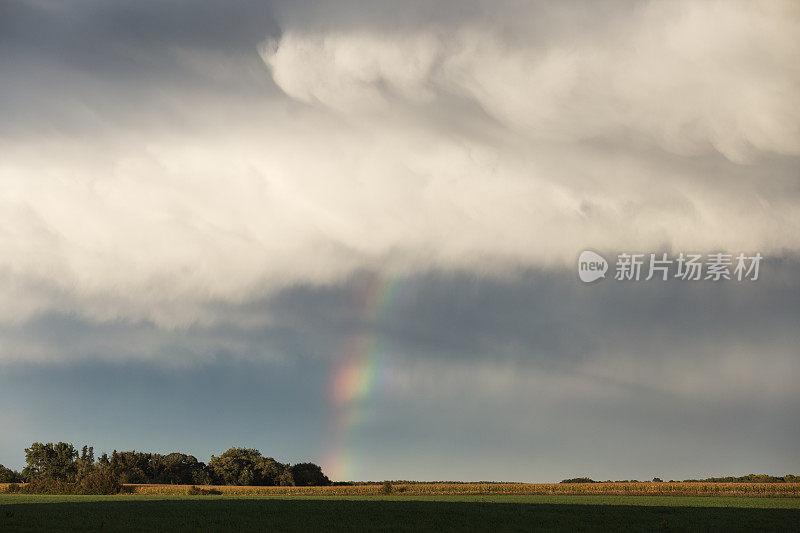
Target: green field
{"x": 431, "y": 513}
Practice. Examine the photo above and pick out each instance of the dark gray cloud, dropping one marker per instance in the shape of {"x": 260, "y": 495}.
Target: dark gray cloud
{"x": 88, "y": 65}
{"x": 90, "y": 33}
{"x": 538, "y": 319}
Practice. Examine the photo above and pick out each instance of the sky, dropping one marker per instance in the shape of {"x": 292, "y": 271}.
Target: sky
{"x": 347, "y": 232}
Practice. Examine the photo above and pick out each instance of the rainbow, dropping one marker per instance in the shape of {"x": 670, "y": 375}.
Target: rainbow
{"x": 360, "y": 373}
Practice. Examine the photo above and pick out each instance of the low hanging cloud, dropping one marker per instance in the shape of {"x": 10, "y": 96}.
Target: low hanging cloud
{"x": 236, "y": 166}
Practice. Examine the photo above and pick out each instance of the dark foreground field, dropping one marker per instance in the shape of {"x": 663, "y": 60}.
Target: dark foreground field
{"x": 432, "y": 513}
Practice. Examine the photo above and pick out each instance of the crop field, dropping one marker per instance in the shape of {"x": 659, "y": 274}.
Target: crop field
{"x": 773, "y": 490}
{"x": 397, "y": 512}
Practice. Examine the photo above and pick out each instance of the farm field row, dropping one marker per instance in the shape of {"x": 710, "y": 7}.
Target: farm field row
{"x": 781, "y": 490}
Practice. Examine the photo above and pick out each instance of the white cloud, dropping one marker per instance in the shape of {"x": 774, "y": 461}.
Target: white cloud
{"x": 461, "y": 147}
{"x": 686, "y": 75}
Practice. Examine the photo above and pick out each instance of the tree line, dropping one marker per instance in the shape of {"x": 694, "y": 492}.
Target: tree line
{"x": 63, "y": 463}
{"x": 749, "y": 478}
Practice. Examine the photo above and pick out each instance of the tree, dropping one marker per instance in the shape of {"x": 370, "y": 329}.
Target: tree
{"x": 308, "y": 474}
{"x": 62, "y": 464}
{"x": 9, "y": 476}
{"x": 131, "y": 467}
{"x": 85, "y": 463}
{"x": 286, "y": 479}
{"x": 245, "y": 466}
{"x": 54, "y": 461}
{"x": 178, "y": 469}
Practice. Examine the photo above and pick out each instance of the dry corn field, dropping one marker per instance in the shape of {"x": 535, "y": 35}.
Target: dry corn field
{"x": 783, "y": 490}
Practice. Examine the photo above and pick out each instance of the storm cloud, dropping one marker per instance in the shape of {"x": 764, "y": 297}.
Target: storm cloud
{"x": 199, "y": 188}
{"x": 154, "y": 162}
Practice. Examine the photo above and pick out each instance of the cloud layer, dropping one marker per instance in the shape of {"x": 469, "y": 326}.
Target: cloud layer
{"x": 149, "y": 172}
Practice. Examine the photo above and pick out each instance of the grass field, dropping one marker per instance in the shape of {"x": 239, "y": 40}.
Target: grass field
{"x": 395, "y": 513}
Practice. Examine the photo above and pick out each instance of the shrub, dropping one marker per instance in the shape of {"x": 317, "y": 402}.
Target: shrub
{"x": 12, "y": 488}
{"x": 387, "y": 487}
{"x": 98, "y": 482}
{"x": 49, "y": 486}
{"x": 101, "y": 481}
